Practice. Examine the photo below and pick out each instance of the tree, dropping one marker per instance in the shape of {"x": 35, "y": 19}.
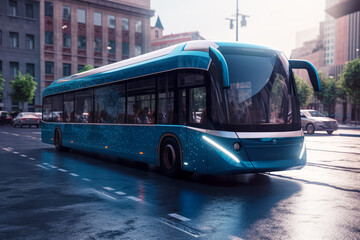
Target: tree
{"x": 86, "y": 68}
{"x": 2, "y": 81}
{"x": 350, "y": 77}
{"x": 305, "y": 91}
{"x": 342, "y": 95}
{"x": 328, "y": 96}
{"x": 23, "y": 89}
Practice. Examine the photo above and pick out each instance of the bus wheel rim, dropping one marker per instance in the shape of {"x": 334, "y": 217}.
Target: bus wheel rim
{"x": 169, "y": 156}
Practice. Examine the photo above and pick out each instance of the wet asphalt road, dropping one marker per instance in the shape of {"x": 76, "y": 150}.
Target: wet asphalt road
{"x": 45, "y": 194}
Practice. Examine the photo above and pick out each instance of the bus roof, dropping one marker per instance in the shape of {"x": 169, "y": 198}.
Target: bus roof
{"x": 192, "y": 54}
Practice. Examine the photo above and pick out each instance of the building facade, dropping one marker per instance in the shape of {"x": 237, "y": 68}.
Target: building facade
{"x": 75, "y": 33}
{"x": 19, "y": 47}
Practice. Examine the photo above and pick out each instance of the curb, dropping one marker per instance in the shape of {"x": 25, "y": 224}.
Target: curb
{"x": 349, "y": 135}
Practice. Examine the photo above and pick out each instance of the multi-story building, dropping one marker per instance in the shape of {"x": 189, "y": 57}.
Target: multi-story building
{"x": 19, "y": 47}
{"x": 158, "y": 40}
{"x": 74, "y": 33}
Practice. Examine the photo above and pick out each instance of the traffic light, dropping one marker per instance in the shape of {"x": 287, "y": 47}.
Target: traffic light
{"x": 243, "y": 21}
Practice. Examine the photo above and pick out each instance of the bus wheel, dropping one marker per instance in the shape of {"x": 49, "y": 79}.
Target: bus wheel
{"x": 58, "y": 141}
{"x": 310, "y": 128}
{"x": 170, "y": 157}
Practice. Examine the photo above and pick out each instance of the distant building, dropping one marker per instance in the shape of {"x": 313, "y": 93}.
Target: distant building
{"x": 158, "y": 40}
{"x": 69, "y": 34}
{"x": 306, "y": 35}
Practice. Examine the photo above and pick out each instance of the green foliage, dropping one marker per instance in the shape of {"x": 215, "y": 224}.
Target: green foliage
{"x": 328, "y": 94}
{"x": 86, "y": 68}
{"x": 350, "y": 80}
{"x": 2, "y": 81}
{"x": 23, "y": 88}
{"x": 305, "y": 91}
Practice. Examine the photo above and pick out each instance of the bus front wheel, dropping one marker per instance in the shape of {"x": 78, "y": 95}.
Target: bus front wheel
{"x": 170, "y": 157}
{"x": 58, "y": 141}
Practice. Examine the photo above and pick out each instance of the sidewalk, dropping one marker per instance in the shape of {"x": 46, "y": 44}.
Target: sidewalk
{"x": 348, "y": 126}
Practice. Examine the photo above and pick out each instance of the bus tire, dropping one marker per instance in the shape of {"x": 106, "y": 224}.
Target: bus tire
{"x": 58, "y": 141}
{"x": 310, "y": 128}
{"x": 170, "y": 157}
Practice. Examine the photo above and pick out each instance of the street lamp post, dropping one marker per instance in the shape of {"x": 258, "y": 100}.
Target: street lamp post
{"x": 243, "y": 20}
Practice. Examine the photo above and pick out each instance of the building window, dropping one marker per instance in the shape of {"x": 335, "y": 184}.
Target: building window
{"x": 125, "y": 50}
{"x": 97, "y": 19}
{"x": 81, "y": 15}
{"x": 66, "y": 69}
{"x": 157, "y": 34}
{"x": 81, "y": 42}
{"x": 49, "y": 38}
{"x": 14, "y": 39}
{"x": 49, "y": 68}
{"x": 112, "y": 46}
{"x": 49, "y": 9}
{"x": 13, "y": 9}
{"x": 111, "y": 21}
{"x": 30, "y": 69}
{"x": 80, "y": 67}
{"x": 14, "y": 68}
{"x": 98, "y": 45}
{"x": 30, "y": 41}
{"x": 138, "y": 26}
{"x": 125, "y": 24}
{"x": 66, "y": 40}
{"x": 66, "y": 13}
{"x": 29, "y": 10}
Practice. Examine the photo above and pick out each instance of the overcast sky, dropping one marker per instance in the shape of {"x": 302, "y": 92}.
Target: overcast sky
{"x": 272, "y": 23}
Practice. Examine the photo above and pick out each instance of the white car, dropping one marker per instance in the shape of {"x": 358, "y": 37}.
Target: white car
{"x": 312, "y": 120}
{"x": 26, "y": 118}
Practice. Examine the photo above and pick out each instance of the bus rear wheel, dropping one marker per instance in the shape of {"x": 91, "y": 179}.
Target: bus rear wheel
{"x": 170, "y": 157}
{"x": 58, "y": 141}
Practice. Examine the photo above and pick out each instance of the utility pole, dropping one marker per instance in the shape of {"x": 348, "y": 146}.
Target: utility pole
{"x": 243, "y": 20}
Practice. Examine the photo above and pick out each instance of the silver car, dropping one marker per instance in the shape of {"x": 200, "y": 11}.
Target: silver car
{"x": 312, "y": 120}
{"x": 26, "y": 118}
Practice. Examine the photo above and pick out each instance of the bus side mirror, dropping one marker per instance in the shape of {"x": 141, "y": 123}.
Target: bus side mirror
{"x": 220, "y": 61}
{"x": 313, "y": 75}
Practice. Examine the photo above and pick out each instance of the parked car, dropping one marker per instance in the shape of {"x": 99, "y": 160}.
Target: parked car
{"x": 312, "y": 120}
{"x": 39, "y": 114}
{"x": 5, "y": 118}
{"x": 27, "y": 118}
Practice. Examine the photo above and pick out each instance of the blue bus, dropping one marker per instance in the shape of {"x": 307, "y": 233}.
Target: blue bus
{"x": 200, "y": 106}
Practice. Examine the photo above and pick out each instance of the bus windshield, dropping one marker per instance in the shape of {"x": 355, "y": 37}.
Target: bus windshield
{"x": 261, "y": 95}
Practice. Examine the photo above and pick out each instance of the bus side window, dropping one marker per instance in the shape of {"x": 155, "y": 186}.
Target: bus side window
{"x": 57, "y": 111}
{"x": 197, "y": 105}
{"x": 47, "y": 109}
{"x": 83, "y": 106}
{"x": 69, "y": 107}
{"x": 165, "y": 108}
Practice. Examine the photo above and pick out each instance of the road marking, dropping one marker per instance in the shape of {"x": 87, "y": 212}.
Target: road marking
{"x": 188, "y": 230}
{"x": 120, "y": 193}
{"x": 15, "y": 153}
{"x": 5, "y": 132}
{"x": 230, "y": 237}
{"x": 135, "y": 199}
{"x": 28, "y": 136}
{"x": 39, "y": 165}
{"x": 52, "y": 166}
{"x": 36, "y": 132}
{"x": 74, "y": 174}
{"x": 62, "y": 170}
{"x": 104, "y": 194}
{"x": 86, "y": 179}
{"x": 109, "y": 188}
{"x": 32, "y": 159}
{"x": 23, "y": 155}
{"x": 15, "y": 134}
{"x": 6, "y": 149}
{"x": 10, "y": 148}
{"x": 179, "y": 217}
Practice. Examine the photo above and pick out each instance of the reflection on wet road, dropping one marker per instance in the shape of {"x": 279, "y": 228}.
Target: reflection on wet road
{"x": 48, "y": 194}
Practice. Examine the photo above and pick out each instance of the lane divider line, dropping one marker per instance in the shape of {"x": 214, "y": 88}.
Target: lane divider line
{"x": 62, "y": 170}
{"x": 39, "y": 165}
{"x": 109, "y": 188}
{"x": 6, "y": 149}
{"x": 104, "y": 194}
{"x": 32, "y": 159}
{"x": 74, "y": 174}
{"x": 120, "y": 193}
{"x": 179, "y": 217}
{"x": 185, "y": 229}
{"x": 23, "y": 155}
{"x": 135, "y": 199}
{"x": 15, "y": 153}
{"x": 86, "y": 179}
{"x": 10, "y": 148}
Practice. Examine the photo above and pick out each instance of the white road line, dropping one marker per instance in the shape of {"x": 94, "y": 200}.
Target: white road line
{"x": 6, "y": 149}
{"x": 102, "y": 193}
{"x": 28, "y": 136}
{"x": 230, "y": 237}
{"x": 39, "y": 165}
{"x": 36, "y": 132}
{"x": 62, "y": 170}
{"x": 120, "y": 193}
{"x": 23, "y": 155}
{"x": 10, "y": 148}
{"x": 32, "y": 159}
{"x": 5, "y": 132}
{"x": 179, "y": 217}
{"x": 109, "y": 188}
{"x": 52, "y": 166}
{"x": 74, "y": 174}
{"x": 181, "y": 228}
{"x": 15, "y": 153}
{"x": 15, "y": 134}
{"x": 86, "y": 179}
{"x": 135, "y": 199}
